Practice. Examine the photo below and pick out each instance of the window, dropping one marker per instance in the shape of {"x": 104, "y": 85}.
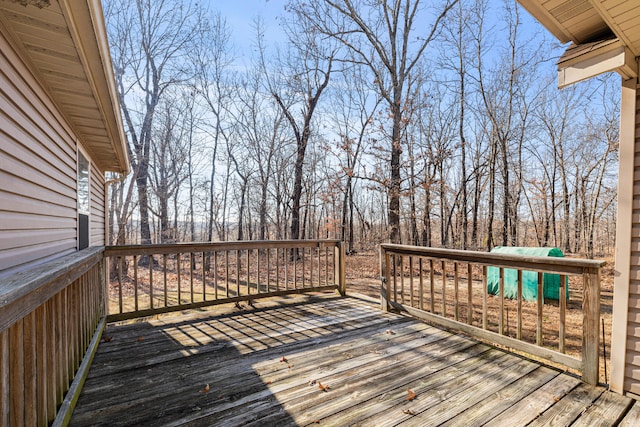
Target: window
{"x": 84, "y": 197}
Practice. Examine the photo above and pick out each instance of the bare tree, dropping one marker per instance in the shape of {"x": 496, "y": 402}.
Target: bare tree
{"x": 303, "y": 75}
{"x": 150, "y": 44}
{"x": 385, "y": 37}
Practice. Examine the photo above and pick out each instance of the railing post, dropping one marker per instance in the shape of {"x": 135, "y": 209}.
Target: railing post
{"x": 385, "y": 278}
{"x": 340, "y": 268}
{"x": 591, "y": 318}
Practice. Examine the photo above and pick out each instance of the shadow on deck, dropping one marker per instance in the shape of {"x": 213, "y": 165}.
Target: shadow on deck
{"x": 328, "y": 360}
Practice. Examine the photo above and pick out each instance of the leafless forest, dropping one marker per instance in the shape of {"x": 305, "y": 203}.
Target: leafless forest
{"x": 422, "y": 122}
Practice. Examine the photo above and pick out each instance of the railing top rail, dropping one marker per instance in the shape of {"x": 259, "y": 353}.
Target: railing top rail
{"x": 24, "y": 290}
{"x": 559, "y": 265}
{"x": 171, "y": 248}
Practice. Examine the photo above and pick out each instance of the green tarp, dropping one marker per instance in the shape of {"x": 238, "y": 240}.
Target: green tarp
{"x": 529, "y": 278}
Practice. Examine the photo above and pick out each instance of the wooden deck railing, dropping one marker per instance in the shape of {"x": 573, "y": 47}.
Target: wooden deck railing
{"x": 51, "y": 318}
{"x": 449, "y": 288}
{"x": 152, "y": 279}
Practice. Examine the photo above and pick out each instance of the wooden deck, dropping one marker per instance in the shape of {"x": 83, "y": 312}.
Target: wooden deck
{"x": 330, "y": 361}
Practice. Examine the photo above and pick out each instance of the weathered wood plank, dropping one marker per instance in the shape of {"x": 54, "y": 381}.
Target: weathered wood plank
{"x": 4, "y": 378}
{"x": 632, "y": 417}
{"x": 16, "y": 374}
{"x": 569, "y": 407}
{"x": 438, "y": 406}
{"x": 500, "y": 401}
{"x": 607, "y": 410}
{"x": 536, "y": 403}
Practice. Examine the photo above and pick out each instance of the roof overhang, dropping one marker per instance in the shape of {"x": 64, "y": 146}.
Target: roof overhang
{"x": 605, "y": 35}
{"x": 65, "y": 43}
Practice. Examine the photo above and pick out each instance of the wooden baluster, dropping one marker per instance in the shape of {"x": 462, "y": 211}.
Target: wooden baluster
{"x": 51, "y": 359}
{"x": 191, "y": 265}
{"x": 5, "y": 395}
{"x": 540, "y": 302}
{"x": 563, "y": 312}
{"x": 295, "y": 269}
{"x": 30, "y": 369}
{"x": 421, "y": 284}
{"x": 501, "y": 303}
{"x": 42, "y": 347}
{"x": 248, "y": 273}
{"x": 444, "y": 289}
{"x": 179, "y": 281}
{"x": 469, "y": 294}
{"x": 519, "y": 330}
{"x": 135, "y": 283}
{"x": 215, "y": 275}
{"x": 432, "y": 291}
{"x": 395, "y": 277}
{"x": 455, "y": 291}
{"x": 226, "y": 271}
{"x": 164, "y": 275}
{"x": 238, "y": 271}
{"x": 204, "y": 276}
{"x": 151, "y": 303}
{"x": 277, "y": 269}
{"x": 411, "y": 296}
{"x": 120, "y": 307}
{"x": 401, "y": 272}
{"x": 16, "y": 374}
{"x": 268, "y": 270}
{"x": 485, "y": 321}
{"x": 311, "y": 251}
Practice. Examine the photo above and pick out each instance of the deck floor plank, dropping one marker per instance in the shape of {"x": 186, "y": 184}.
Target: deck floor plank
{"x": 263, "y": 367}
{"x": 632, "y": 417}
{"x": 500, "y": 401}
{"x": 606, "y": 411}
{"x": 570, "y": 407}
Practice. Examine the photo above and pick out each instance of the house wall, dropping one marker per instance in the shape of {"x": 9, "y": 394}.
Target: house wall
{"x": 38, "y": 208}
{"x": 625, "y": 344}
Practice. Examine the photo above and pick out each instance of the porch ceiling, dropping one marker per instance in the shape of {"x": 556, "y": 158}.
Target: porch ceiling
{"x": 65, "y": 42}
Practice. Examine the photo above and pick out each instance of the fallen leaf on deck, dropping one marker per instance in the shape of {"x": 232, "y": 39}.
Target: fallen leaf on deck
{"x": 312, "y": 382}
{"x": 205, "y": 389}
{"x": 140, "y": 338}
{"x": 107, "y": 339}
{"x": 284, "y": 359}
{"x": 323, "y": 387}
{"x": 408, "y": 412}
{"x": 411, "y": 396}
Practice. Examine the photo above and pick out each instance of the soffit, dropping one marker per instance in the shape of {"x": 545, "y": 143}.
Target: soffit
{"x": 68, "y": 50}
{"x": 585, "y": 21}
